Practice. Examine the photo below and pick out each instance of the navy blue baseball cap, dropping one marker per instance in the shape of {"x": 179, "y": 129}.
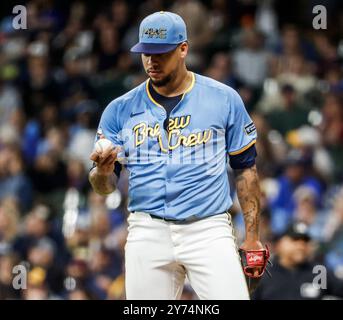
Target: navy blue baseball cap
{"x": 296, "y": 231}
{"x": 160, "y": 32}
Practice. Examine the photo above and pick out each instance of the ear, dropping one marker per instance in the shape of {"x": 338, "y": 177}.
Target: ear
{"x": 183, "y": 50}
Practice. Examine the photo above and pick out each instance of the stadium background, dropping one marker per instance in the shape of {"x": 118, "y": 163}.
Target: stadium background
{"x": 58, "y": 75}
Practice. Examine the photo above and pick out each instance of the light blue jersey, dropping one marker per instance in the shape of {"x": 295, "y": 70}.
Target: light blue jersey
{"x": 182, "y": 172}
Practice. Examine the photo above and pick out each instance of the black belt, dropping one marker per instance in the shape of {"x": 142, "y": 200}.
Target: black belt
{"x": 187, "y": 220}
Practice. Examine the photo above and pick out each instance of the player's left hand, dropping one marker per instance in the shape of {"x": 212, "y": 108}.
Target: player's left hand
{"x": 254, "y": 259}
{"x": 249, "y": 245}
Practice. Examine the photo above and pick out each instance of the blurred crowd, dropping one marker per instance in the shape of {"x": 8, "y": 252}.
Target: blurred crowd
{"x": 58, "y": 75}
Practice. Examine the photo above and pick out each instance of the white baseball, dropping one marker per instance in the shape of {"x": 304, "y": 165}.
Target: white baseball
{"x": 103, "y": 144}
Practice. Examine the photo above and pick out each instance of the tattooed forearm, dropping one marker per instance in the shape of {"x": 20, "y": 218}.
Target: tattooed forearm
{"x": 101, "y": 184}
{"x": 248, "y": 192}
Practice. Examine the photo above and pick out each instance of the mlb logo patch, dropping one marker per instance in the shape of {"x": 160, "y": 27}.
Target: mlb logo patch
{"x": 98, "y": 133}
{"x": 250, "y": 128}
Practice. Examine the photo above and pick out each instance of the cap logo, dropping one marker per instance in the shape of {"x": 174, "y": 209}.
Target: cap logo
{"x": 160, "y": 33}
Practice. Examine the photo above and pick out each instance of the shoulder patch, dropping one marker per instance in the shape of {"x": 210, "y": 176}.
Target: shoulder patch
{"x": 98, "y": 133}
{"x": 250, "y": 128}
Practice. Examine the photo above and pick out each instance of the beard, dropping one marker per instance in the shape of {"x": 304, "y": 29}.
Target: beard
{"x": 162, "y": 82}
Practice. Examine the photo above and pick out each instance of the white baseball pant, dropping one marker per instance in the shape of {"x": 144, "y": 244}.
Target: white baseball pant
{"x": 159, "y": 254}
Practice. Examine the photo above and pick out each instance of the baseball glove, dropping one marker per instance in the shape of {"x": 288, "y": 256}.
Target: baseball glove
{"x": 253, "y": 260}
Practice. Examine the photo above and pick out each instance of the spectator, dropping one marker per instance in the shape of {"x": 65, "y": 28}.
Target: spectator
{"x": 36, "y": 129}
{"x": 292, "y": 272}
{"x": 13, "y": 180}
{"x": 298, "y": 73}
{"x": 332, "y": 131}
{"x": 79, "y": 294}
{"x": 38, "y": 225}
{"x": 81, "y": 138}
{"x": 199, "y": 32}
{"x": 38, "y": 86}
{"x": 309, "y": 140}
{"x": 9, "y": 221}
{"x": 333, "y": 235}
{"x": 43, "y": 254}
{"x": 307, "y": 211}
{"x": 290, "y": 44}
{"x": 77, "y": 271}
{"x": 105, "y": 267}
{"x": 37, "y": 288}
{"x": 74, "y": 83}
{"x": 108, "y": 48}
{"x": 220, "y": 69}
{"x": 251, "y": 60}
{"x": 10, "y": 98}
{"x": 271, "y": 148}
{"x": 290, "y": 115}
{"x": 7, "y": 263}
{"x": 48, "y": 172}
{"x": 76, "y": 175}
{"x": 297, "y": 173}
{"x": 116, "y": 290}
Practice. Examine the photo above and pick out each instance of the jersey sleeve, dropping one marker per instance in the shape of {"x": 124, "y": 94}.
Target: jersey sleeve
{"x": 240, "y": 132}
{"x": 109, "y": 126}
{"x": 245, "y": 159}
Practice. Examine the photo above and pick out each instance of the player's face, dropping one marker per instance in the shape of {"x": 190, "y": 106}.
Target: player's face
{"x": 162, "y": 68}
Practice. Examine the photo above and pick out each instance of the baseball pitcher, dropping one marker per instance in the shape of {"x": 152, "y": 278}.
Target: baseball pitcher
{"x": 175, "y": 134}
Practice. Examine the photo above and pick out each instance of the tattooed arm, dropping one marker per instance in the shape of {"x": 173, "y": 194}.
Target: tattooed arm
{"x": 102, "y": 184}
{"x": 248, "y": 192}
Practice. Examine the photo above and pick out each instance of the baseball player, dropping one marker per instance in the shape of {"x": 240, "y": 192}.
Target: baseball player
{"x": 175, "y": 134}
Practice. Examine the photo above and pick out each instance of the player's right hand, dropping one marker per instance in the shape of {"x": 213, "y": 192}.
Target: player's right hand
{"x": 105, "y": 160}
